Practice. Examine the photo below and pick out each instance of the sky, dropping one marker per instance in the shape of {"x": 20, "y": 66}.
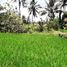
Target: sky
{"x": 3, "y": 1}
{"x": 39, "y": 1}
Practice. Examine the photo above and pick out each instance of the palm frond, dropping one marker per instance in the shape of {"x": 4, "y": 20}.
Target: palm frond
{"x": 43, "y": 13}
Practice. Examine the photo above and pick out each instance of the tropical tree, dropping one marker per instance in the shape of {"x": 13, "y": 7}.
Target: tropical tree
{"x": 50, "y": 9}
{"x": 19, "y": 7}
{"x": 62, "y": 4}
{"x": 33, "y": 9}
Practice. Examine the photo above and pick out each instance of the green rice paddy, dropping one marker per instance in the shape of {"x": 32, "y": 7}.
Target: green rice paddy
{"x": 32, "y": 50}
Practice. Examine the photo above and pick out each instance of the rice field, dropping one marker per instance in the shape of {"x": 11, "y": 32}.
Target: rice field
{"x": 32, "y": 50}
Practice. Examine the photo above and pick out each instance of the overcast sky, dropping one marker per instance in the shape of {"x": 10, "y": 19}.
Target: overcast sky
{"x": 2, "y": 1}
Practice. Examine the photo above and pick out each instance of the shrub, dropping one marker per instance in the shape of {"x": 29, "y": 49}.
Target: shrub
{"x": 53, "y": 25}
{"x": 41, "y": 26}
{"x": 10, "y": 22}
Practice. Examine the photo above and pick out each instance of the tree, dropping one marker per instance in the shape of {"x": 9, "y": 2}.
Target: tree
{"x": 50, "y": 9}
{"x": 62, "y": 4}
{"x": 33, "y": 9}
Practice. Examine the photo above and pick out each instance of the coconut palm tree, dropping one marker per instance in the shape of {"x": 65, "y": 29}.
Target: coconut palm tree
{"x": 19, "y": 7}
{"x": 33, "y": 9}
{"x": 50, "y": 9}
{"x": 62, "y": 4}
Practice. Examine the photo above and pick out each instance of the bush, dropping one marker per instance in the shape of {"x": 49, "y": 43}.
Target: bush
{"x": 10, "y": 22}
{"x": 41, "y": 28}
{"x": 53, "y": 25}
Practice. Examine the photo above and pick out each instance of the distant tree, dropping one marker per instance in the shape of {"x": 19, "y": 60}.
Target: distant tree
{"x": 62, "y": 3}
{"x": 50, "y": 9}
{"x": 33, "y": 9}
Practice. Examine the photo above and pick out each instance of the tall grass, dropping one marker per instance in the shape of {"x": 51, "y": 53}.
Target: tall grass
{"x": 32, "y": 50}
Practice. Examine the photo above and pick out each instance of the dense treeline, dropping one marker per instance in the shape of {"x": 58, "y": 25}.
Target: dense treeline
{"x": 10, "y": 21}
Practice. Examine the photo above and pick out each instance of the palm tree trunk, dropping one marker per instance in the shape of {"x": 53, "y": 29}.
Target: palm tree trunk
{"x": 60, "y": 20}
{"x": 32, "y": 18}
{"x": 19, "y": 8}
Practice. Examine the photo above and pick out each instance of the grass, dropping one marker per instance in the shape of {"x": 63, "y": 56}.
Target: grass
{"x": 32, "y": 50}
{"x": 64, "y": 31}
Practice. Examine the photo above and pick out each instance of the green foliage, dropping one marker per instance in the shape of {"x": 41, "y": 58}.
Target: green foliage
{"x": 53, "y": 24}
{"x": 1, "y": 7}
{"x": 35, "y": 27}
{"x": 10, "y": 22}
{"x": 31, "y": 28}
{"x": 32, "y": 50}
{"x": 24, "y": 20}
